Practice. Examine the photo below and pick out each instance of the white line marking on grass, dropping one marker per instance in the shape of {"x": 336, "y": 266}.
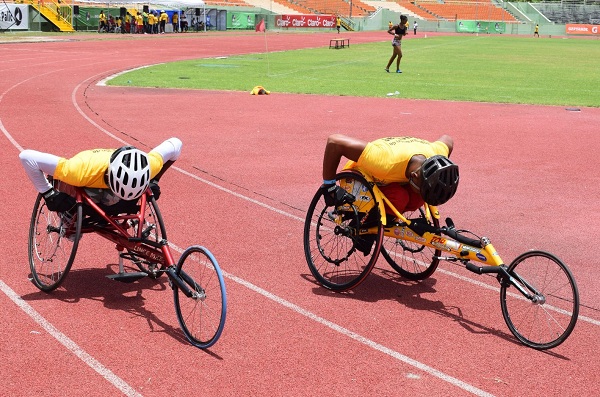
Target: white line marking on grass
{"x": 68, "y": 343}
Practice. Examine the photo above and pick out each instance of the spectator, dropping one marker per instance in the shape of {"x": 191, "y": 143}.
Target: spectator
{"x": 139, "y": 19}
{"x": 102, "y": 18}
{"x": 184, "y": 23}
{"x": 150, "y": 23}
{"x": 175, "y": 21}
{"x": 163, "y": 18}
{"x": 145, "y": 18}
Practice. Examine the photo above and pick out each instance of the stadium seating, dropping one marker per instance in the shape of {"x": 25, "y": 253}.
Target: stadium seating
{"x": 337, "y": 7}
{"x": 226, "y": 3}
{"x": 570, "y": 12}
{"x": 466, "y": 10}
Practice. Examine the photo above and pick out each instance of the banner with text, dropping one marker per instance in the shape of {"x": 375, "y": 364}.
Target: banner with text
{"x": 480, "y": 27}
{"x": 240, "y": 20}
{"x": 582, "y": 29}
{"x": 305, "y": 21}
{"x": 14, "y": 17}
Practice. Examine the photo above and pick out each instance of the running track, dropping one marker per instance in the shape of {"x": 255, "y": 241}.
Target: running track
{"x": 249, "y": 169}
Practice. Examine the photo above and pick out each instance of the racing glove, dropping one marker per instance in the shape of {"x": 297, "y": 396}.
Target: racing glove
{"x": 335, "y": 195}
{"x": 58, "y": 201}
{"x": 155, "y": 189}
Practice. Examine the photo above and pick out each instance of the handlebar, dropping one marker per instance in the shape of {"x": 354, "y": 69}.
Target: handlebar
{"x": 455, "y": 234}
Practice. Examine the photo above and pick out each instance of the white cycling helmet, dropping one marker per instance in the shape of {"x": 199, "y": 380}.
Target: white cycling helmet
{"x": 128, "y": 173}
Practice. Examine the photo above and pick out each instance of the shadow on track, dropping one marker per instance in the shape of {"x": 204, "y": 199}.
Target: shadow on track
{"x": 92, "y": 284}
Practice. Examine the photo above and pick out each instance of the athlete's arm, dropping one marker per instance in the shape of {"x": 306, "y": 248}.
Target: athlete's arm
{"x": 170, "y": 150}
{"x": 337, "y": 146}
{"x": 36, "y": 164}
{"x": 448, "y": 141}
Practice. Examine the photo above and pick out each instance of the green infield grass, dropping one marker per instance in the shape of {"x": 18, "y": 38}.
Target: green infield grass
{"x": 463, "y": 68}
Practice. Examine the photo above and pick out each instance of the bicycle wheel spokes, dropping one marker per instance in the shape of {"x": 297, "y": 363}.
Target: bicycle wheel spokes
{"x": 53, "y": 241}
{"x": 201, "y": 316}
{"x": 341, "y": 244}
{"x": 154, "y": 229}
{"x": 411, "y": 260}
{"x": 332, "y": 249}
{"x": 546, "y": 320}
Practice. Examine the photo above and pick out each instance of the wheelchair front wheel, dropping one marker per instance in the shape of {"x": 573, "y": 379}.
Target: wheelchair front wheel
{"x": 52, "y": 244}
{"x": 546, "y": 320}
{"x": 201, "y": 316}
{"x": 342, "y": 243}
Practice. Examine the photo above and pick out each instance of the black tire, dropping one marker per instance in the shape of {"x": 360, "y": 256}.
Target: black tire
{"x": 53, "y": 241}
{"x": 547, "y": 321}
{"x": 201, "y": 317}
{"x": 335, "y": 236}
{"x": 153, "y": 223}
{"x": 411, "y": 260}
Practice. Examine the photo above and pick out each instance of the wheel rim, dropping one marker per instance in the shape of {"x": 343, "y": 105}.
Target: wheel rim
{"x": 201, "y": 317}
{"x": 53, "y": 242}
{"x": 549, "y": 319}
{"x": 333, "y": 237}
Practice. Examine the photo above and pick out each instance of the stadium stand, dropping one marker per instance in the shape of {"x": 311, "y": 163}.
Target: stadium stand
{"x": 226, "y": 3}
{"x": 574, "y": 11}
{"x": 356, "y": 8}
{"x": 416, "y": 10}
{"x": 466, "y": 10}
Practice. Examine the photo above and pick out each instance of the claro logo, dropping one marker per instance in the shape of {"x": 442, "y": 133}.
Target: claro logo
{"x": 595, "y": 29}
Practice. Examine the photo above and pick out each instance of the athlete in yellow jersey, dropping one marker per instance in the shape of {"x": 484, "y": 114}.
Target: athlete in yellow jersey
{"x": 410, "y": 171}
{"x": 421, "y": 169}
{"x": 124, "y": 173}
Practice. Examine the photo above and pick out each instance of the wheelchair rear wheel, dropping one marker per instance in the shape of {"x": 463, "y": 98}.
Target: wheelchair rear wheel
{"x": 342, "y": 243}
{"x": 52, "y": 244}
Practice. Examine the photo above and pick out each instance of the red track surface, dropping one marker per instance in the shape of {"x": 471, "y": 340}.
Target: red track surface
{"x": 253, "y": 164}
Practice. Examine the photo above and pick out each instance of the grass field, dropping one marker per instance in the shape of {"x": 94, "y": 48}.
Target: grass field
{"x": 465, "y": 68}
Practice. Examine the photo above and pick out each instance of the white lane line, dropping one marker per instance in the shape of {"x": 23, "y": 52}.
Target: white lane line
{"x": 69, "y": 344}
{"x": 361, "y": 339}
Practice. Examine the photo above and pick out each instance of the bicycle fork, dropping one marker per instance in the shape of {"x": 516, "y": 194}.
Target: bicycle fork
{"x": 182, "y": 281}
{"x": 506, "y": 278}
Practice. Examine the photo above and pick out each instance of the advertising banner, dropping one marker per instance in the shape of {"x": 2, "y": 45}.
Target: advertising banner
{"x": 240, "y": 20}
{"x": 14, "y": 17}
{"x": 305, "y": 21}
{"x": 480, "y": 27}
{"x": 583, "y": 29}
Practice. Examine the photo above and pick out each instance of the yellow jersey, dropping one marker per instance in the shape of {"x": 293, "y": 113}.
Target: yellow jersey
{"x": 87, "y": 168}
{"x": 386, "y": 159}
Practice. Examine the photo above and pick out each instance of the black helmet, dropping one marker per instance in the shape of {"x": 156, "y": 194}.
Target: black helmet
{"x": 440, "y": 180}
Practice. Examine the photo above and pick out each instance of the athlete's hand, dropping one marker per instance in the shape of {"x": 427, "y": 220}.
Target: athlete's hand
{"x": 155, "y": 189}
{"x": 58, "y": 201}
{"x": 335, "y": 195}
